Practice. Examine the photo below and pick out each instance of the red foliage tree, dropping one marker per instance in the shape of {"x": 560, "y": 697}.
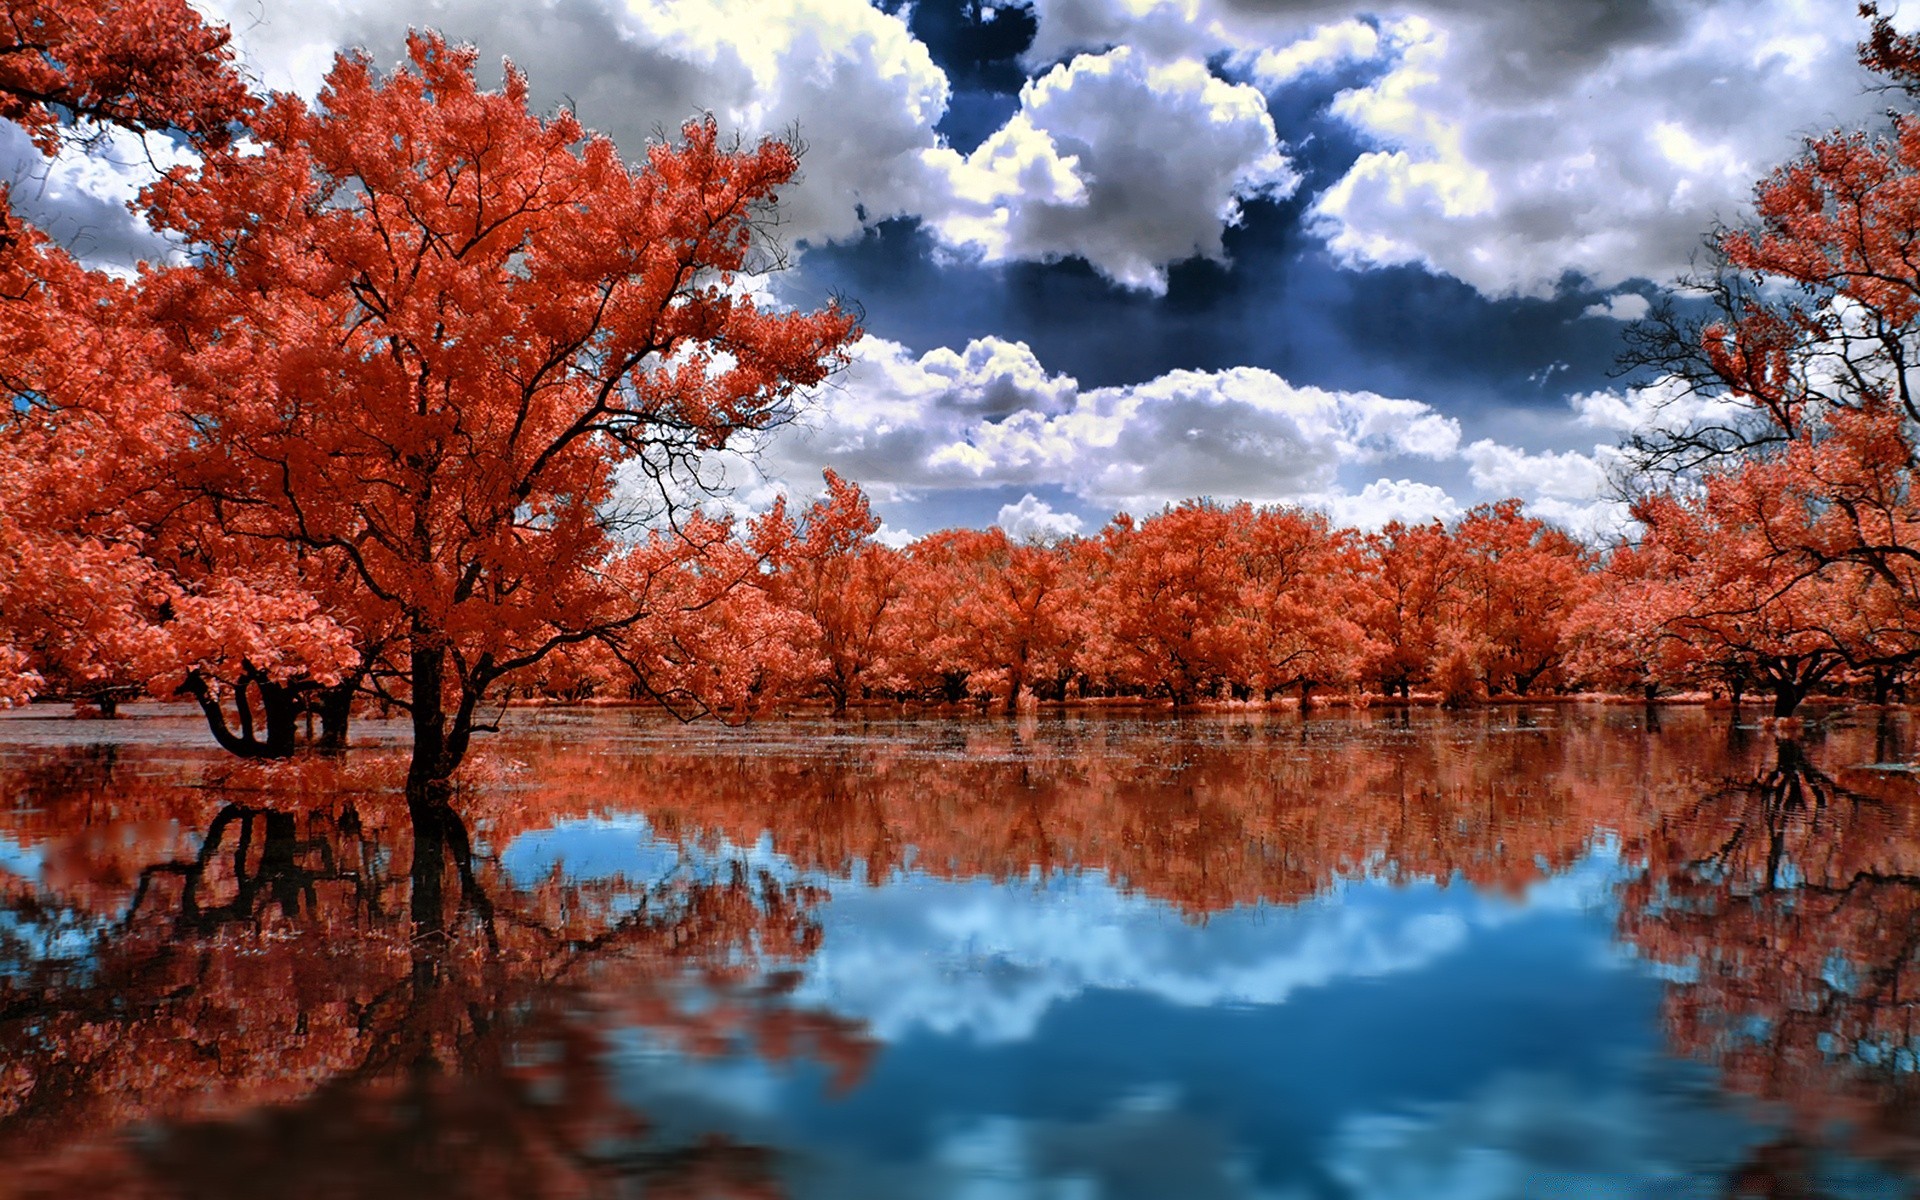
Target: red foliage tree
{"x": 1819, "y": 303}
{"x": 1410, "y": 576}
{"x": 1164, "y": 604}
{"x": 423, "y": 331}
{"x": 1521, "y": 581}
{"x": 1298, "y": 582}
{"x": 988, "y": 615}
{"x": 145, "y": 65}
{"x": 829, "y": 570}
{"x": 70, "y": 582}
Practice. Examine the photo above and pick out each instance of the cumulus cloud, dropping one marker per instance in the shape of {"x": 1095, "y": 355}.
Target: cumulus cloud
{"x": 1511, "y": 155}
{"x": 1034, "y": 520}
{"x": 1568, "y": 488}
{"x": 1167, "y": 29}
{"x": 861, "y": 91}
{"x": 80, "y": 197}
{"x": 1669, "y": 404}
{"x": 1131, "y": 162}
{"x": 1116, "y": 159}
{"x": 1627, "y": 306}
{"x": 992, "y": 416}
{"x": 1515, "y": 143}
{"x": 1387, "y": 500}
{"x": 1506, "y": 471}
{"x": 1328, "y": 46}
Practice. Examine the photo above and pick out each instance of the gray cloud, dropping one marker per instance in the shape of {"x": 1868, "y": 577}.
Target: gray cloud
{"x": 1124, "y": 162}
{"x": 1517, "y": 142}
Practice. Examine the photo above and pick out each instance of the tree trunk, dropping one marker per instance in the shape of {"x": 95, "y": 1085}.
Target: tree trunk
{"x": 1787, "y": 696}
{"x": 282, "y": 720}
{"x": 1306, "y": 695}
{"x": 429, "y": 772}
{"x": 1882, "y": 687}
{"x": 336, "y": 708}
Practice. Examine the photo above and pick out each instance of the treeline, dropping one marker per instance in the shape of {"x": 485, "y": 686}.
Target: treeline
{"x": 1217, "y": 602}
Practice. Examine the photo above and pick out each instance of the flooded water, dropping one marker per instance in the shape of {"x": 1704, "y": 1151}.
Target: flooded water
{"x": 1571, "y": 951}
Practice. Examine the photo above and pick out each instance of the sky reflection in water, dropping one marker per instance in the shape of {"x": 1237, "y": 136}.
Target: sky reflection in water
{"x": 1512, "y": 953}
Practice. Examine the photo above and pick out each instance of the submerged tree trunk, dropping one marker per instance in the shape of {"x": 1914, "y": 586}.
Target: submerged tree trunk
{"x": 430, "y": 772}
{"x": 278, "y": 710}
{"x": 1883, "y": 681}
{"x": 336, "y": 709}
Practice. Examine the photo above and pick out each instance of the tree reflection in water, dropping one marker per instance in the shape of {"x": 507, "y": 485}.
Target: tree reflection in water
{"x": 1787, "y": 906}
{"x": 303, "y": 1001}
{"x": 218, "y": 991}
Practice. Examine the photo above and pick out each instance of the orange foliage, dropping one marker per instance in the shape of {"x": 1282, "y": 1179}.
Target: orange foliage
{"x": 145, "y": 65}
{"x": 424, "y": 330}
{"x": 828, "y": 569}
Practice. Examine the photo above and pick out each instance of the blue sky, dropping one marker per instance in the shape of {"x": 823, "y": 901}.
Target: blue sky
{"x": 1113, "y": 253}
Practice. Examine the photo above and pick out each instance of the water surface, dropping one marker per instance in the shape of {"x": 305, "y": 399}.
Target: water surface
{"x": 1522, "y": 951}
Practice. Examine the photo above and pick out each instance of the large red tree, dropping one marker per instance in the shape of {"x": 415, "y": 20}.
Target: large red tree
{"x": 423, "y": 333}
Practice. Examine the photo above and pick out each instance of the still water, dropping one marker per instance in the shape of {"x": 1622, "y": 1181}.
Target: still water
{"x": 1571, "y": 951}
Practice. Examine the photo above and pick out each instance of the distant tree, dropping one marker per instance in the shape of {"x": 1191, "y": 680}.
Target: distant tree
{"x": 828, "y": 569}
{"x": 1298, "y": 584}
{"x": 1521, "y": 580}
{"x": 1163, "y": 608}
{"x": 989, "y": 612}
{"x": 1410, "y": 576}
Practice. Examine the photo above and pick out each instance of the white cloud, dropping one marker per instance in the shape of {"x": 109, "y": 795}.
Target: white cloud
{"x": 1161, "y": 28}
{"x": 1131, "y": 162}
{"x": 1506, "y": 471}
{"x": 1328, "y": 46}
{"x": 1387, "y": 500}
{"x": 1627, "y": 306}
{"x": 1509, "y": 176}
{"x": 1668, "y": 404}
{"x": 1568, "y": 488}
{"x": 992, "y": 416}
{"x": 1517, "y": 142}
{"x": 1034, "y": 520}
{"x": 860, "y": 90}
{"x": 1127, "y": 163}
{"x": 79, "y": 198}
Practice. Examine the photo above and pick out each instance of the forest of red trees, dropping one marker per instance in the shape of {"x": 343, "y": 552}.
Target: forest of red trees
{"x": 360, "y": 443}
